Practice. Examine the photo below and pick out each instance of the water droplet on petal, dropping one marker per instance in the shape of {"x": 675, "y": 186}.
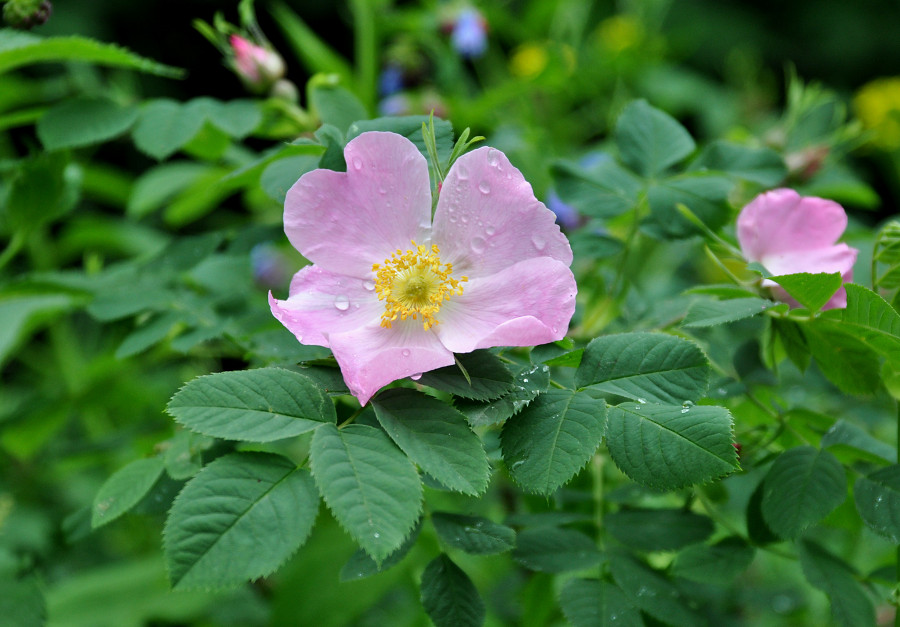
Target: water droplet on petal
{"x": 357, "y": 163}
{"x": 462, "y": 172}
{"x": 484, "y": 187}
{"x": 369, "y": 285}
{"x": 464, "y": 219}
{"x": 416, "y": 377}
{"x": 493, "y": 157}
{"x": 341, "y": 303}
{"x": 478, "y": 245}
{"x": 539, "y": 242}
{"x": 490, "y": 230}
{"x": 405, "y": 352}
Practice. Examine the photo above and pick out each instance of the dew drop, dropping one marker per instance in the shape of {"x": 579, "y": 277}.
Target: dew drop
{"x": 539, "y": 242}
{"x": 376, "y": 535}
{"x": 342, "y": 303}
{"x": 517, "y": 464}
{"x": 484, "y": 187}
{"x": 357, "y": 163}
{"x": 416, "y": 377}
{"x": 493, "y": 157}
{"x": 642, "y": 400}
{"x": 462, "y": 172}
{"x": 369, "y": 285}
{"x": 685, "y": 410}
{"x": 490, "y": 230}
{"x": 478, "y": 245}
{"x": 464, "y": 219}
{"x": 405, "y": 352}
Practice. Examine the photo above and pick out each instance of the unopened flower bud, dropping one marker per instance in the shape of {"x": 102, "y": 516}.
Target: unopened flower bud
{"x": 25, "y": 14}
{"x": 258, "y": 67}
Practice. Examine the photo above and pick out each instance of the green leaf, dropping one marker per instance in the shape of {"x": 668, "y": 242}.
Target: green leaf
{"x": 650, "y": 140}
{"x": 878, "y": 501}
{"x": 148, "y": 334}
{"x": 527, "y": 385}
{"x": 843, "y": 358}
{"x": 555, "y": 550}
{"x": 551, "y": 439}
{"x": 22, "y": 603}
{"x": 846, "y": 435}
{"x": 658, "y": 529}
{"x": 334, "y": 104}
{"x": 18, "y": 49}
{"x": 601, "y": 191}
{"x": 361, "y": 565}
{"x": 652, "y": 592}
{"x": 84, "y": 121}
{"x": 124, "y": 489}
{"x": 43, "y": 189}
{"x": 236, "y": 118}
{"x": 436, "y": 437}
{"x": 708, "y": 313}
{"x": 706, "y": 195}
{"x": 810, "y": 290}
{"x": 850, "y": 606}
{"x": 157, "y": 186}
{"x": 165, "y": 126}
{"x": 259, "y": 405}
{"x": 473, "y": 534}
{"x": 720, "y": 562}
{"x": 280, "y": 175}
{"x": 873, "y": 321}
{"x": 449, "y": 596}
{"x": 759, "y": 165}
{"x": 24, "y": 313}
{"x": 801, "y": 488}
{"x": 370, "y": 486}
{"x": 238, "y": 520}
{"x": 594, "y": 603}
{"x": 488, "y": 377}
{"x": 670, "y": 447}
{"x": 645, "y": 367}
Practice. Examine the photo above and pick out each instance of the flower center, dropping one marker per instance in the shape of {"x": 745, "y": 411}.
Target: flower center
{"x": 414, "y": 284}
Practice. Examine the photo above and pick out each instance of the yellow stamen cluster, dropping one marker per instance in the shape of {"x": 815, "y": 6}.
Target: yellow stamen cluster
{"x": 414, "y": 284}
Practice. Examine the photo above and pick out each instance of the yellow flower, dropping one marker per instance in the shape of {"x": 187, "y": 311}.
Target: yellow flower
{"x": 620, "y": 32}
{"x": 877, "y": 106}
{"x": 528, "y": 60}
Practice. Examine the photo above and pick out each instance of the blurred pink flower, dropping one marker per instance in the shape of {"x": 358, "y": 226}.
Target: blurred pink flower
{"x": 257, "y": 66}
{"x": 788, "y": 233}
{"x": 395, "y": 294}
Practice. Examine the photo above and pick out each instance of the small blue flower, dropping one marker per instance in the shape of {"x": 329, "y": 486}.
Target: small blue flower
{"x": 390, "y": 81}
{"x": 566, "y": 215}
{"x": 469, "y": 35}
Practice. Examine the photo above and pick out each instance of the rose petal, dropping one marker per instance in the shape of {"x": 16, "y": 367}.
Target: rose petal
{"x": 372, "y": 356}
{"x": 781, "y": 221}
{"x": 488, "y": 219}
{"x": 525, "y": 304}
{"x": 322, "y": 303}
{"x": 346, "y": 221}
{"x": 837, "y": 258}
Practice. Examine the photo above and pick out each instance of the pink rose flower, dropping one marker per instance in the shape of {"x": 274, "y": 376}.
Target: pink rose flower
{"x": 393, "y": 294}
{"x": 257, "y": 66}
{"x": 788, "y": 233}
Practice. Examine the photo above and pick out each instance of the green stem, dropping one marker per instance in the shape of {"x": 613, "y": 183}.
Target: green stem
{"x": 366, "y": 53}
{"x": 14, "y": 246}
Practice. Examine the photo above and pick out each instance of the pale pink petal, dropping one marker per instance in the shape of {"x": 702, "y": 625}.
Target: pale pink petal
{"x": 346, "y": 221}
{"x": 488, "y": 219}
{"x": 322, "y": 303}
{"x": 781, "y": 221}
{"x": 525, "y": 304}
{"x": 836, "y": 258}
{"x": 372, "y": 356}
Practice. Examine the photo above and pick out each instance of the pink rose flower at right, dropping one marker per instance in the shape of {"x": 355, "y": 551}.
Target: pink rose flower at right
{"x": 788, "y": 234}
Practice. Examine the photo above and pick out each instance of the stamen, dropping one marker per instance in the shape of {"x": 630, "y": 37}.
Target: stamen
{"x": 414, "y": 284}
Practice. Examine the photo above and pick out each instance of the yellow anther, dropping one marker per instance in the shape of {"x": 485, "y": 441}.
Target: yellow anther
{"x": 414, "y": 284}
